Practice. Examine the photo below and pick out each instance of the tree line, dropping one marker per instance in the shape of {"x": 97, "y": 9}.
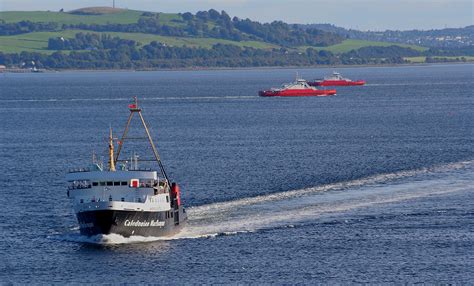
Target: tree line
{"x": 22, "y": 27}
{"x": 94, "y": 51}
{"x": 88, "y": 41}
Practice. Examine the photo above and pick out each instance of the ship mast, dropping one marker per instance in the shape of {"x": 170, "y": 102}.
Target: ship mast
{"x": 111, "y": 152}
{"x": 135, "y": 109}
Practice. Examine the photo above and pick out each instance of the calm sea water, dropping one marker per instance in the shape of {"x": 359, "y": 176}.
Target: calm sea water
{"x": 373, "y": 185}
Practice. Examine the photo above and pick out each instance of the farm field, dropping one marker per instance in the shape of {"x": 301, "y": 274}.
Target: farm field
{"x": 120, "y": 17}
{"x": 422, "y": 59}
{"x": 351, "y": 44}
{"x": 38, "y": 41}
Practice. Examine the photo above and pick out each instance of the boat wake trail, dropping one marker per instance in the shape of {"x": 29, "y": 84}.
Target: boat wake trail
{"x": 286, "y": 209}
{"x": 163, "y": 98}
{"x": 300, "y": 206}
{"x": 411, "y": 84}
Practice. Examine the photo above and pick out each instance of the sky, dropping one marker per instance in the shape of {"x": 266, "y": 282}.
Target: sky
{"x": 372, "y": 15}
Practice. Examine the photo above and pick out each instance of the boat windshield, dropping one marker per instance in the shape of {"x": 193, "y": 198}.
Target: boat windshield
{"x": 335, "y": 76}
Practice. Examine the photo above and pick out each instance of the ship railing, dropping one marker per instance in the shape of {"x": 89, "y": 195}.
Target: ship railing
{"x": 141, "y": 169}
{"x": 79, "y": 187}
{"x": 79, "y": 170}
{"x": 110, "y": 198}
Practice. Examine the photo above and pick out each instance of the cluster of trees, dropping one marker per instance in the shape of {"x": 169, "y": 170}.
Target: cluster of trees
{"x": 25, "y": 27}
{"x": 450, "y": 52}
{"x": 276, "y": 32}
{"x": 283, "y": 34}
{"x": 157, "y": 55}
{"x": 445, "y": 59}
{"x": 87, "y": 41}
{"x": 148, "y": 25}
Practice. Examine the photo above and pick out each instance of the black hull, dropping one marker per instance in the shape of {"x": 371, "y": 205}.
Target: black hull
{"x": 128, "y": 222}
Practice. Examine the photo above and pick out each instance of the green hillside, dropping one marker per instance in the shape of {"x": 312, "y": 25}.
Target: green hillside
{"x": 105, "y": 38}
{"x": 38, "y": 41}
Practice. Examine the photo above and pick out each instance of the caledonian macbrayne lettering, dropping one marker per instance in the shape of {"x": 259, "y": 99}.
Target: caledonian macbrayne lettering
{"x": 144, "y": 223}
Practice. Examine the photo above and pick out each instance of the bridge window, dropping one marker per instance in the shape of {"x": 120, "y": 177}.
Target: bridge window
{"x": 116, "y": 183}
{"x": 82, "y": 184}
{"x": 102, "y": 183}
{"x": 95, "y": 184}
{"x": 149, "y": 183}
{"x": 110, "y": 183}
{"x": 124, "y": 183}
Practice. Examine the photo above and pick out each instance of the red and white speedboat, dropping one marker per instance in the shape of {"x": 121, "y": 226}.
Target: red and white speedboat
{"x": 336, "y": 80}
{"x": 299, "y": 88}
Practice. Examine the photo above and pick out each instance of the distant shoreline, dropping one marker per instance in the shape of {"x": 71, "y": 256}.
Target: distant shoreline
{"x": 234, "y": 68}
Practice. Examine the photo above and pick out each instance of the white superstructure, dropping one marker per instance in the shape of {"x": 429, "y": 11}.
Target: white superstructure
{"x": 118, "y": 190}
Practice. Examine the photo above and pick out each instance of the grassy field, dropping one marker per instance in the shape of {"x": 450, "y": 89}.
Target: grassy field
{"x": 32, "y": 42}
{"x": 123, "y": 17}
{"x": 120, "y": 17}
{"x": 38, "y": 41}
{"x": 351, "y": 44}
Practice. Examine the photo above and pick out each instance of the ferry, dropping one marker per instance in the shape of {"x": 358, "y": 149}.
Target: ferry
{"x": 124, "y": 198}
{"x": 336, "y": 79}
{"x": 298, "y": 88}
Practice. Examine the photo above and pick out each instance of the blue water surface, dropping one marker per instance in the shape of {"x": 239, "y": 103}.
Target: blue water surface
{"x": 372, "y": 185}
